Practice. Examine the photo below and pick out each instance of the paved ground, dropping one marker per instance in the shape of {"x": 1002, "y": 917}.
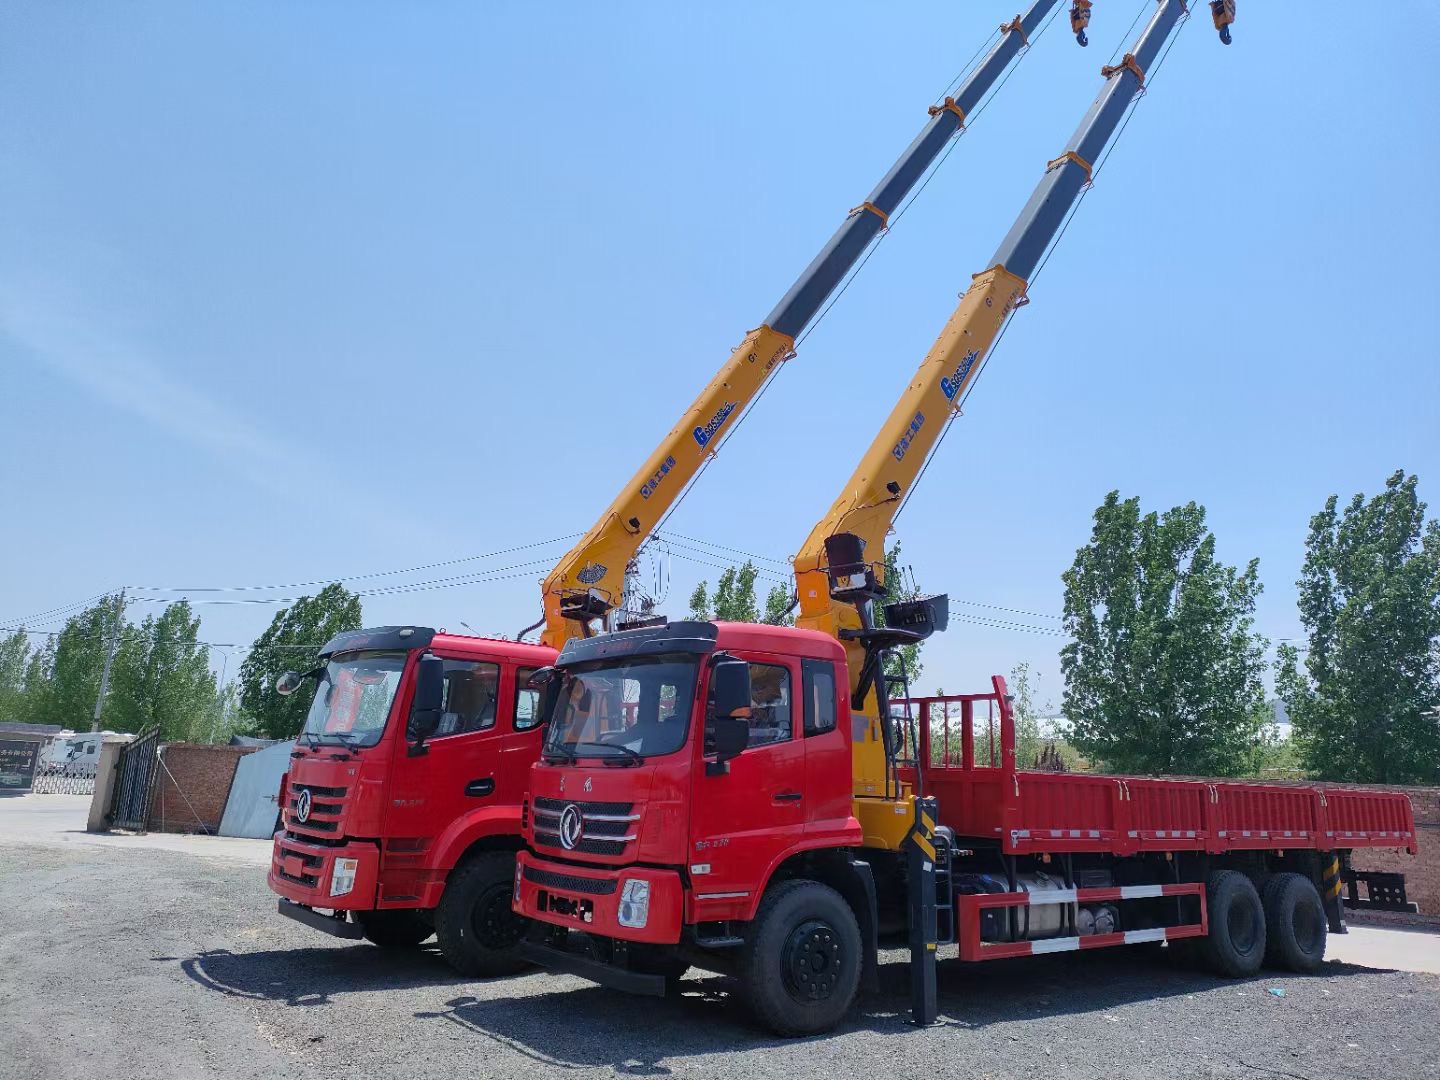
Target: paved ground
{"x": 128, "y": 960}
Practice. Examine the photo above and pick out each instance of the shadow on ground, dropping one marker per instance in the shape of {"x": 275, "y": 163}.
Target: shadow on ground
{"x": 583, "y": 1026}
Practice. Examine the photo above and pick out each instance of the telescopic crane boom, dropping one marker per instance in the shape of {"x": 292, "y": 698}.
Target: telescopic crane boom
{"x": 837, "y": 592}
{"x": 587, "y": 583}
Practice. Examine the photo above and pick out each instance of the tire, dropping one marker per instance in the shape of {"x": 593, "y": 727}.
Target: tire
{"x": 1296, "y": 928}
{"x": 1235, "y": 946}
{"x": 801, "y": 962}
{"x": 478, "y": 932}
{"x": 403, "y": 929}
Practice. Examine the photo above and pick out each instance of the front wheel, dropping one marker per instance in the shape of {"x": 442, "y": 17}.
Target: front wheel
{"x": 395, "y": 929}
{"x": 479, "y": 934}
{"x": 801, "y": 963}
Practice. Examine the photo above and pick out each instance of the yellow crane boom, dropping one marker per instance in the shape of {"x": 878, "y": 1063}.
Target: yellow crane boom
{"x": 588, "y": 582}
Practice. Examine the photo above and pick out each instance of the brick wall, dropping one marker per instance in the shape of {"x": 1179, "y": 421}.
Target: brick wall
{"x": 190, "y": 796}
{"x": 1422, "y": 871}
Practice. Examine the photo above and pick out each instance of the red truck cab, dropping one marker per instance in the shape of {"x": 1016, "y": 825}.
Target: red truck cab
{"x": 393, "y": 836}
{"x": 668, "y": 795}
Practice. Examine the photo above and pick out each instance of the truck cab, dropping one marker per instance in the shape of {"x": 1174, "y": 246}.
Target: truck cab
{"x": 399, "y": 816}
{"x": 688, "y": 771}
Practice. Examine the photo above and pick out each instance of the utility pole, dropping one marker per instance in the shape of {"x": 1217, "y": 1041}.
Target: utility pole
{"x": 109, "y": 659}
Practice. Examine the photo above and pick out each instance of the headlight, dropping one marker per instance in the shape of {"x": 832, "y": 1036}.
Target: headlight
{"x": 634, "y": 903}
{"x": 342, "y": 878}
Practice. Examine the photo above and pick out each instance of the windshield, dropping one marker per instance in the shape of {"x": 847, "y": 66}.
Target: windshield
{"x": 353, "y": 698}
{"x": 627, "y": 710}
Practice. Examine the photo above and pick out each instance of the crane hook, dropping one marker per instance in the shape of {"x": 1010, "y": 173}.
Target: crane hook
{"x": 1080, "y": 19}
{"x": 1223, "y": 14}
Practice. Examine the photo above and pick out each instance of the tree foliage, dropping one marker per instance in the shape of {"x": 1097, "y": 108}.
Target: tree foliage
{"x": 1028, "y": 741}
{"x": 1163, "y": 674}
{"x": 14, "y": 656}
{"x": 1364, "y": 706}
{"x": 292, "y": 643}
{"x": 161, "y": 677}
{"x": 62, "y": 677}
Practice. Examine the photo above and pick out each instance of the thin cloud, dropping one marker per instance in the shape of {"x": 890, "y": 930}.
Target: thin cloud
{"x": 89, "y": 350}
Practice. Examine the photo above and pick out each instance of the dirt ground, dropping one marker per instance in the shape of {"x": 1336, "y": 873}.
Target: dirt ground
{"x": 131, "y": 960}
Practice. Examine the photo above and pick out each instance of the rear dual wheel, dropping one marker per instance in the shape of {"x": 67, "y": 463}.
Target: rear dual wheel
{"x": 1235, "y": 946}
{"x": 1295, "y": 923}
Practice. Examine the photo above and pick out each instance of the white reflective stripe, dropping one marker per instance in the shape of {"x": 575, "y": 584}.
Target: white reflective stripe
{"x": 1134, "y": 834}
{"x": 1063, "y": 944}
{"x": 1190, "y": 834}
{"x": 1135, "y": 937}
{"x": 1139, "y": 892}
{"x": 1050, "y": 896}
{"x": 721, "y": 895}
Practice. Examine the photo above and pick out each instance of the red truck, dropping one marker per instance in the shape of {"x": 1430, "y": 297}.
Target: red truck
{"x": 400, "y": 815}
{"x": 694, "y": 805}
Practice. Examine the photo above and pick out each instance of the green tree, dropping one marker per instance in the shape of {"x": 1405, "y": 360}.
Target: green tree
{"x": 906, "y": 659}
{"x": 161, "y": 677}
{"x": 1028, "y": 742}
{"x": 14, "y": 657}
{"x": 292, "y": 643}
{"x": 1366, "y": 706}
{"x": 224, "y": 717}
{"x": 1163, "y": 674}
{"x": 778, "y": 603}
{"x": 733, "y": 599}
{"x": 62, "y": 679}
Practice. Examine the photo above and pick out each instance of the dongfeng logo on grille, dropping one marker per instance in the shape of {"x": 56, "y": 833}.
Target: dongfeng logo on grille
{"x": 571, "y": 826}
{"x": 302, "y": 806}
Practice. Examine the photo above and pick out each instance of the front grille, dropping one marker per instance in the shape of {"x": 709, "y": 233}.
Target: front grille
{"x": 588, "y": 847}
{"x": 586, "y": 808}
{"x": 571, "y": 882}
{"x": 317, "y": 826}
{"x": 608, "y": 828}
{"x": 318, "y": 792}
{"x": 319, "y": 841}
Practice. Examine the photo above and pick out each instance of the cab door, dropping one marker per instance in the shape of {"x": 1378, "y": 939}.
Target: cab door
{"x": 460, "y": 768}
{"x": 743, "y": 820}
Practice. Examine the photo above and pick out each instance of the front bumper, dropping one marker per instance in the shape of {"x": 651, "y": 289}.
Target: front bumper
{"x": 588, "y": 899}
{"x": 302, "y": 872}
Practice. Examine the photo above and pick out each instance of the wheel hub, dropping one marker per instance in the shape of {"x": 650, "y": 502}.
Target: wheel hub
{"x": 496, "y": 926}
{"x": 812, "y": 961}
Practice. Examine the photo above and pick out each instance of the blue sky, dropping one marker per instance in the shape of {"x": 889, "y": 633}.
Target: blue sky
{"x": 291, "y": 291}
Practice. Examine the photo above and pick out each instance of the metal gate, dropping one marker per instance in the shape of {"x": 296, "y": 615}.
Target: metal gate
{"x": 138, "y": 768}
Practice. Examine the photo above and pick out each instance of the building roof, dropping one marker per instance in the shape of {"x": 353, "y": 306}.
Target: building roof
{"x": 16, "y": 728}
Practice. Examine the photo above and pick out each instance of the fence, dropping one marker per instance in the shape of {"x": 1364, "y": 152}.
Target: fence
{"x": 60, "y": 784}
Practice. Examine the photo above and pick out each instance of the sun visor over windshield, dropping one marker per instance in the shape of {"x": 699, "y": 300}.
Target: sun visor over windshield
{"x": 677, "y": 637}
{"x": 388, "y": 638}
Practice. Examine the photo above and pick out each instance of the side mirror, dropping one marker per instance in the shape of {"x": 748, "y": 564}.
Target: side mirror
{"x": 428, "y": 703}
{"x": 727, "y": 729}
{"x": 288, "y": 683}
{"x": 542, "y": 677}
{"x": 730, "y": 688}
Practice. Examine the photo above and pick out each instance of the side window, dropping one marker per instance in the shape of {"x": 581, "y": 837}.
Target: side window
{"x": 471, "y": 688}
{"x": 770, "y": 716}
{"x": 819, "y": 676}
{"x": 527, "y": 701}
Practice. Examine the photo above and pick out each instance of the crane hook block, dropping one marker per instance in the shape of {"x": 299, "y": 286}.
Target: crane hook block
{"x": 1080, "y": 19}
{"x": 1223, "y": 13}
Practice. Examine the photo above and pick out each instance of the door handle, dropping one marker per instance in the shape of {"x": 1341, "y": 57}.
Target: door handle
{"x": 478, "y": 789}
{"x": 789, "y": 796}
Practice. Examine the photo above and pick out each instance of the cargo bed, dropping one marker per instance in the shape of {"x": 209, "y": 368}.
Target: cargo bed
{"x": 968, "y": 741}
